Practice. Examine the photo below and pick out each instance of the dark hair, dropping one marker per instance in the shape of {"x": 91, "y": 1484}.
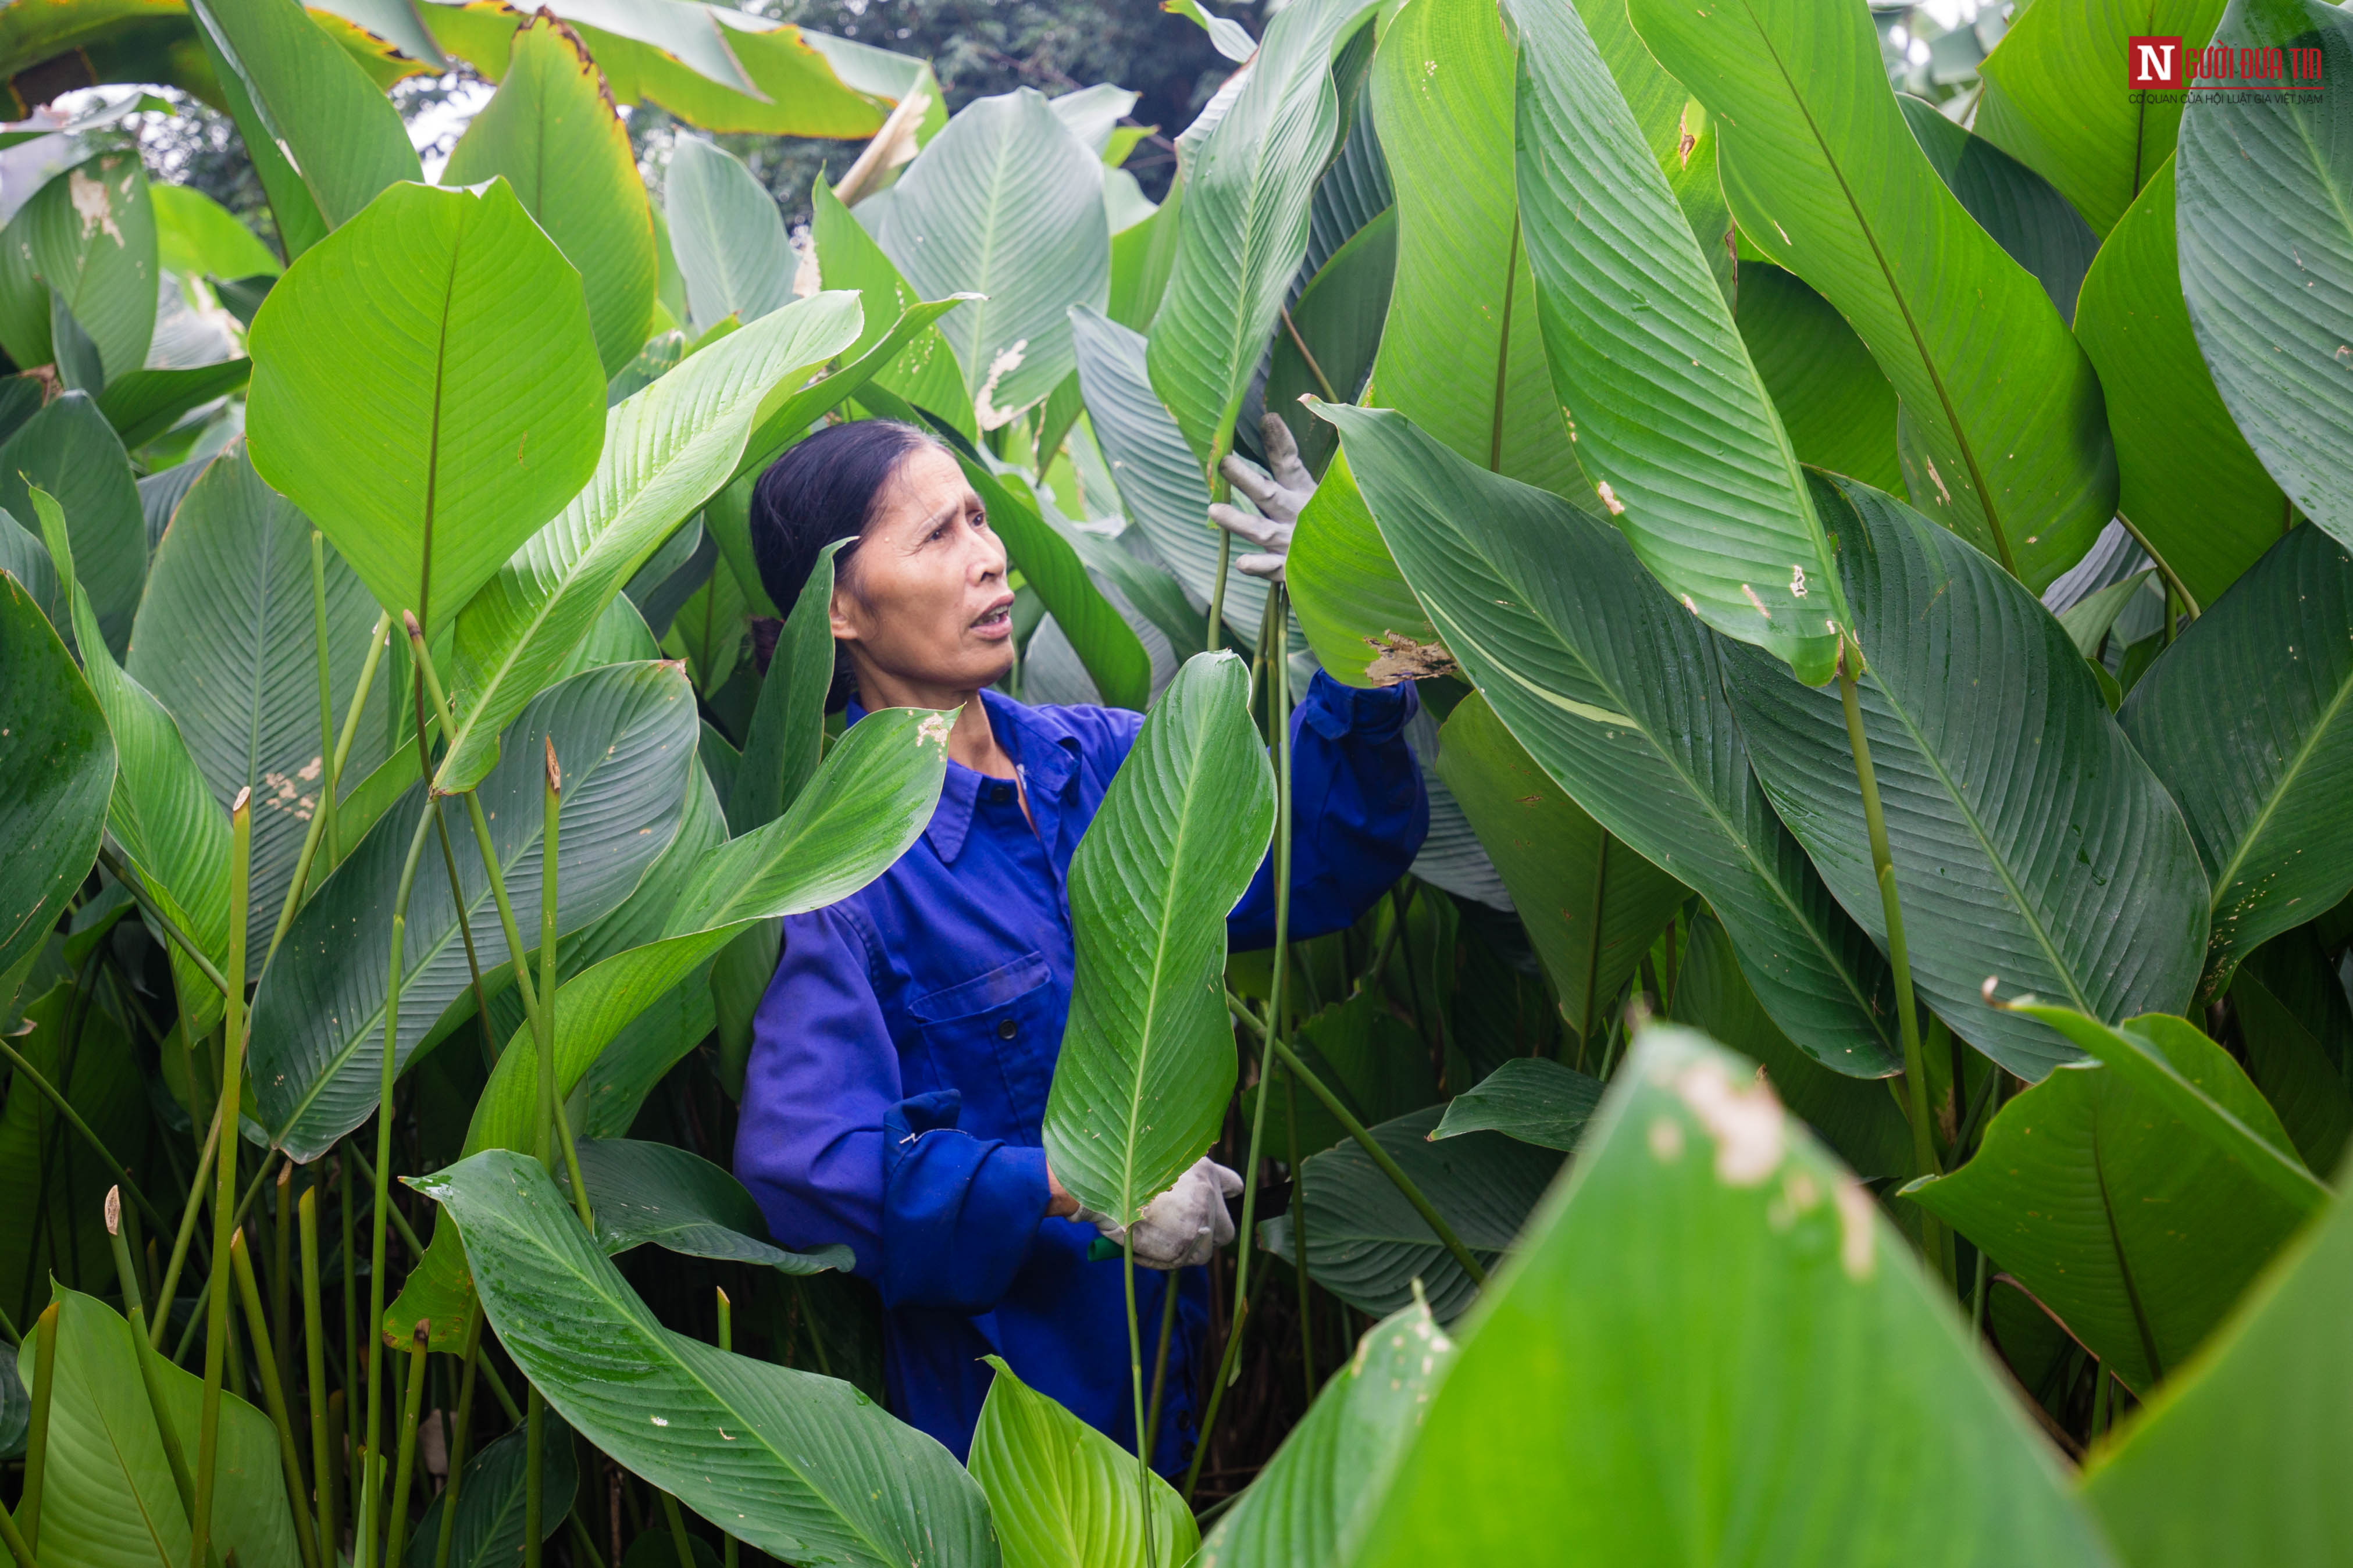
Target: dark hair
{"x": 824, "y": 489}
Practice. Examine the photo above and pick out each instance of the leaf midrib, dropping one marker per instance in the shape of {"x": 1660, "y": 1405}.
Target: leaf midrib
{"x": 2320, "y": 727}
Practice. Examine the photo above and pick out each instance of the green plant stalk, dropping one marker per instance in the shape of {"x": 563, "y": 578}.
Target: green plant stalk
{"x": 1899, "y": 959}
{"x": 325, "y": 813}
{"x": 14, "y": 1541}
{"x": 36, "y": 1428}
{"x": 400, "y": 1221}
{"x": 678, "y": 1538}
{"x": 554, "y": 1126}
{"x": 366, "y": 1515}
{"x": 175, "y": 1457}
{"x": 168, "y": 1291}
{"x": 2164, "y": 567}
{"x": 322, "y": 818}
{"x": 216, "y": 1328}
{"x": 73, "y": 1118}
{"x": 459, "y": 1435}
{"x": 120, "y": 1244}
{"x": 1219, "y": 490}
{"x": 1299, "y": 1234}
{"x": 534, "y": 1448}
{"x": 404, "y": 1475}
{"x": 314, "y": 1370}
{"x": 244, "y": 1207}
{"x": 281, "y": 1283}
{"x": 351, "y": 1332}
{"x": 273, "y": 1394}
{"x": 1160, "y": 1357}
{"x": 726, "y": 1342}
{"x": 1135, "y": 1384}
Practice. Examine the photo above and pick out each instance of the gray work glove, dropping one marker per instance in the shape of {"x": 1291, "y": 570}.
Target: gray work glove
{"x": 1279, "y": 500}
{"x": 1184, "y": 1225}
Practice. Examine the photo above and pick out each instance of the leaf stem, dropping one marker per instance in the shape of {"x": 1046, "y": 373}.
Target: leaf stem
{"x": 534, "y": 1443}
{"x": 460, "y": 1435}
{"x": 406, "y": 1472}
{"x": 1160, "y": 1356}
{"x": 554, "y": 1126}
{"x": 216, "y": 1325}
{"x": 314, "y": 1351}
{"x": 1322, "y": 381}
{"x": 273, "y": 1394}
{"x": 726, "y": 1309}
{"x": 36, "y": 1432}
{"x": 321, "y": 820}
{"x": 678, "y": 1536}
{"x": 1298, "y": 1236}
{"x": 164, "y": 923}
{"x": 2164, "y": 567}
{"x": 324, "y": 812}
{"x": 1135, "y": 1383}
{"x": 169, "y": 1290}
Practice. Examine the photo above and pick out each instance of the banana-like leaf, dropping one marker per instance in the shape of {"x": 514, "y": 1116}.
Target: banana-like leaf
{"x": 552, "y": 130}
{"x": 1532, "y": 1100}
{"x": 2190, "y": 483}
{"x": 1243, "y": 225}
{"x": 2297, "y": 1027}
{"x": 1671, "y": 420}
{"x": 1061, "y": 1494}
{"x": 57, "y": 756}
{"x": 142, "y": 403}
{"x": 802, "y": 1467}
{"x": 331, "y": 124}
{"x": 196, "y": 237}
{"x": 1825, "y": 177}
{"x": 1833, "y": 401}
{"x": 86, "y": 239}
{"x": 1007, "y": 203}
{"x": 1147, "y": 1064}
{"x": 107, "y": 1498}
{"x": 426, "y": 389}
{"x": 925, "y": 370}
{"x": 489, "y": 1532}
{"x": 1309, "y": 1507}
{"x": 786, "y": 737}
{"x": 1374, "y": 1061}
{"x": 2027, "y": 218}
{"x": 2093, "y": 1195}
{"x": 682, "y": 1203}
{"x": 2248, "y": 720}
{"x": 665, "y": 451}
{"x": 2266, "y": 240}
{"x": 2061, "y": 867}
{"x": 2100, "y": 149}
{"x": 68, "y": 450}
{"x": 1370, "y": 1246}
{"x": 625, "y": 736}
{"x": 226, "y": 641}
{"x": 1590, "y": 904}
{"x": 1351, "y": 603}
{"x": 728, "y": 237}
{"x": 26, "y": 558}
{"x": 1712, "y": 1282}
{"x": 2241, "y": 1459}
{"x": 1141, "y": 256}
{"x": 1338, "y": 316}
{"x": 1616, "y": 691}
{"x": 871, "y": 797}
{"x": 162, "y": 816}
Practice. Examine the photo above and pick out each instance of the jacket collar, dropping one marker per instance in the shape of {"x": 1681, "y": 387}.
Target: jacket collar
{"x": 1043, "y": 748}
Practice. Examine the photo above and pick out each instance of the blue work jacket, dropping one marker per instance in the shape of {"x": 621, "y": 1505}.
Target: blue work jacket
{"x": 901, "y": 1058}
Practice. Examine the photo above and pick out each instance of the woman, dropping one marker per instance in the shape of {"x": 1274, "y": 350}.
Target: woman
{"x": 901, "y": 1058}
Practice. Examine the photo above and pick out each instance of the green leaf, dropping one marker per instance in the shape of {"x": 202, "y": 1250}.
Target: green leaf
{"x": 710, "y": 629}
{"x": 482, "y": 410}
{"x": 51, "y": 1234}
{"x": 924, "y": 372}
{"x": 1351, "y": 601}
{"x": 196, "y": 237}
{"x": 2191, "y": 487}
{"x": 89, "y": 236}
{"x": 1309, "y": 1505}
{"x": 2061, "y": 867}
{"x": 24, "y": 557}
{"x": 625, "y": 736}
{"x": 798, "y": 1466}
{"x": 1243, "y": 225}
{"x": 1833, "y": 401}
{"x": 1141, "y": 256}
{"x": 57, "y": 758}
{"x": 1370, "y": 1246}
{"x": 1825, "y": 177}
{"x": 489, "y": 1532}
{"x": 1590, "y": 904}
{"x": 2266, "y": 240}
{"x": 2027, "y": 218}
{"x": 684, "y": 1204}
{"x": 665, "y": 451}
{"x": 107, "y": 1498}
{"x": 1007, "y": 203}
{"x": 68, "y": 450}
{"x": 728, "y": 236}
{"x": 1146, "y": 1066}
{"x": 1377, "y": 1064}
{"x": 2239, "y": 1460}
{"x": 142, "y": 403}
{"x": 332, "y": 125}
{"x": 2100, "y": 149}
{"x": 1670, "y": 420}
{"x": 1339, "y": 320}
{"x": 1712, "y": 1348}
{"x": 1228, "y": 37}
{"x": 2248, "y": 720}
{"x": 1061, "y": 1494}
{"x": 2091, "y": 1192}
{"x": 2090, "y": 618}
{"x": 1615, "y": 692}
{"x": 552, "y": 131}
{"x": 2297, "y": 1030}
{"x": 1531, "y": 1099}
{"x": 786, "y": 738}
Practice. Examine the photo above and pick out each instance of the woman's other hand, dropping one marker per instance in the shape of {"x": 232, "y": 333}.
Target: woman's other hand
{"x": 1184, "y": 1225}
{"x": 1060, "y": 1203}
{"x": 1279, "y": 500}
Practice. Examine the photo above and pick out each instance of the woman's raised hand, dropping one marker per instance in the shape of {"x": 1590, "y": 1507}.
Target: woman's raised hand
{"x": 1279, "y": 499}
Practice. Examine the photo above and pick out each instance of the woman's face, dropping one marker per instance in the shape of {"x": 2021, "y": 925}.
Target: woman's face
{"x": 922, "y": 601}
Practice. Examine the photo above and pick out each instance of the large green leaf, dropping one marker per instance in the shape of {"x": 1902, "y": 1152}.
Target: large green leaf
{"x": 1670, "y": 420}
{"x": 1351, "y": 601}
{"x": 1615, "y": 692}
{"x": 1833, "y": 401}
{"x": 89, "y": 234}
{"x": 1338, "y": 316}
{"x": 682, "y": 1203}
{"x": 1309, "y": 1507}
{"x": 2190, "y": 483}
{"x": 552, "y": 130}
{"x": 1061, "y": 1494}
{"x": 2100, "y": 149}
{"x": 196, "y": 237}
{"x": 786, "y": 738}
{"x": 2266, "y": 238}
{"x": 142, "y": 405}
{"x": 1713, "y": 1349}
{"x": 1590, "y": 904}
{"x": 1004, "y": 203}
{"x": 1147, "y": 1063}
{"x": 925, "y": 372}
{"x": 802, "y": 1467}
{"x": 226, "y": 641}
{"x": 625, "y": 737}
{"x": 2061, "y": 867}
{"x": 1375, "y": 1061}
{"x": 2027, "y": 218}
{"x": 728, "y": 237}
{"x": 1243, "y": 225}
{"x": 2090, "y": 1192}
{"x": 2296, "y": 1026}
{"x": 665, "y": 451}
{"x": 1825, "y": 177}
{"x": 1370, "y": 1246}
{"x": 2242, "y": 1459}
{"x": 331, "y": 124}
{"x": 53, "y": 1230}
{"x": 481, "y": 407}
{"x": 1534, "y": 1100}
{"x": 489, "y": 1532}
{"x": 2248, "y": 720}
{"x": 69, "y": 450}
{"x": 57, "y": 772}
{"x": 107, "y": 1498}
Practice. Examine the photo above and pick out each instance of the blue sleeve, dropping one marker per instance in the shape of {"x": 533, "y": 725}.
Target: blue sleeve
{"x": 1358, "y": 812}
{"x": 835, "y": 1152}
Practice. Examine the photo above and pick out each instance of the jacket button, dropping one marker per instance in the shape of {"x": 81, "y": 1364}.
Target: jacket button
{"x": 1006, "y": 1029}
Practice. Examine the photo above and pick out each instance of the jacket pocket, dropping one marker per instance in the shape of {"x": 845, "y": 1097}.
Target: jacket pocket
{"x": 993, "y": 1038}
